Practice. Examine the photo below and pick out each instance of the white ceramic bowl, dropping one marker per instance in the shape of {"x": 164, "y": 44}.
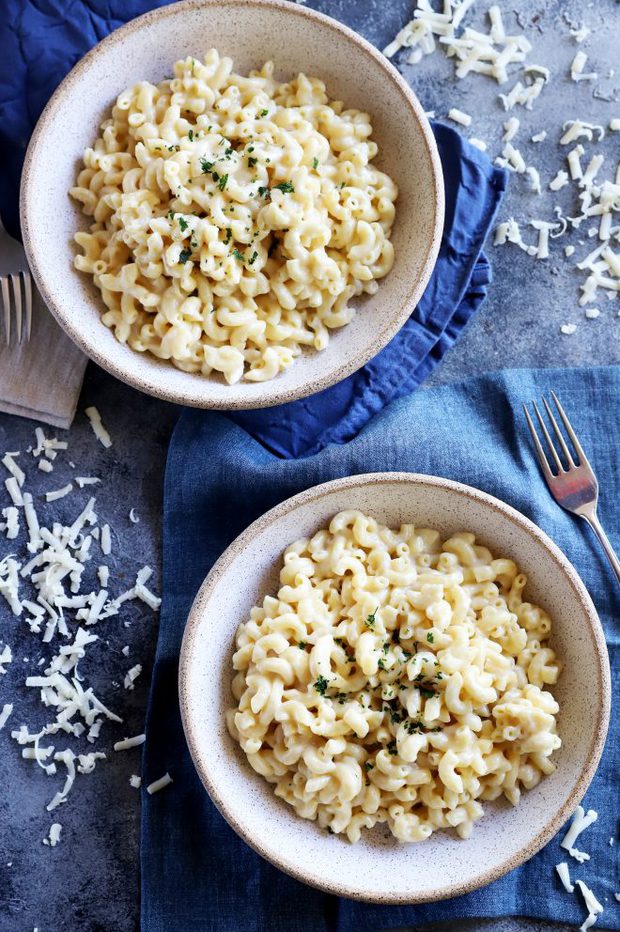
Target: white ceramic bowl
{"x": 251, "y": 32}
{"x": 378, "y": 868}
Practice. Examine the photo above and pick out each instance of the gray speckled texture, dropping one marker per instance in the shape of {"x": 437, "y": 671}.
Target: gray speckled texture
{"x": 96, "y": 889}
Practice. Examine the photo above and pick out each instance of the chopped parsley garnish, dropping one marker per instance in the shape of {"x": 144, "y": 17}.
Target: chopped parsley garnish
{"x": 396, "y": 717}
{"x": 411, "y": 727}
{"x": 223, "y": 181}
{"x": 321, "y": 685}
{"x": 238, "y": 255}
{"x": 250, "y": 148}
{"x": 184, "y": 255}
{"x": 381, "y": 663}
{"x": 315, "y": 164}
{"x": 263, "y": 113}
{"x": 252, "y": 160}
{"x": 222, "y": 142}
{"x": 228, "y": 236}
{"x": 302, "y": 645}
{"x": 264, "y": 192}
{"x": 341, "y": 698}
{"x": 190, "y": 135}
{"x": 286, "y": 187}
{"x": 368, "y": 766}
{"x": 427, "y": 693}
{"x": 206, "y": 166}
{"x": 253, "y": 259}
{"x": 341, "y": 185}
{"x": 193, "y": 65}
{"x": 370, "y": 621}
{"x": 430, "y": 637}
{"x": 183, "y": 224}
{"x": 392, "y": 749}
{"x": 173, "y": 148}
{"x": 170, "y": 215}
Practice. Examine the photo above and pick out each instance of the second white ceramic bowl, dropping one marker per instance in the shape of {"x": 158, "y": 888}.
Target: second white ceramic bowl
{"x": 378, "y": 868}
{"x": 251, "y": 32}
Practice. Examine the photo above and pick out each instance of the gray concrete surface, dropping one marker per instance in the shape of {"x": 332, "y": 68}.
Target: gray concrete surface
{"x": 90, "y": 882}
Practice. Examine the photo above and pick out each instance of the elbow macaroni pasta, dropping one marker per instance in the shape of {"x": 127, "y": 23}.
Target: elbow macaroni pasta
{"x": 233, "y": 218}
{"x": 395, "y": 678}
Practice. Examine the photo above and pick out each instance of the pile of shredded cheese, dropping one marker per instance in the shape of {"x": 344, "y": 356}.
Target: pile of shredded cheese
{"x": 43, "y": 573}
{"x": 581, "y": 821}
{"x": 495, "y": 53}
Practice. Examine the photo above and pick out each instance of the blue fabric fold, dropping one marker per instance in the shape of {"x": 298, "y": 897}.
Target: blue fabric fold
{"x": 196, "y": 873}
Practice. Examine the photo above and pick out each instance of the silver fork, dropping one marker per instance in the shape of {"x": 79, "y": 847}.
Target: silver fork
{"x": 15, "y": 288}
{"x": 575, "y": 486}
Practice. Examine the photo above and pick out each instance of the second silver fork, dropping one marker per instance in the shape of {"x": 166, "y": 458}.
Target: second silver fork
{"x": 15, "y": 289}
{"x": 574, "y": 486}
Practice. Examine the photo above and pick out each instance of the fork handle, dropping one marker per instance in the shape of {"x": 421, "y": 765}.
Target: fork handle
{"x": 597, "y": 527}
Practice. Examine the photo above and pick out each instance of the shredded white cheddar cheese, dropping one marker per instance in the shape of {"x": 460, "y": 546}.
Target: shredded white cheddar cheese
{"x": 59, "y": 493}
{"x": 560, "y": 181}
{"x": 577, "y": 66}
{"x": 12, "y": 467}
{"x": 127, "y": 743}
{"x": 54, "y": 835}
{"x": 5, "y": 712}
{"x": 98, "y": 429}
{"x": 564, "y": 875}
{"x": 51, "y": 564}
{"x": 581, "y": 821}
{"x": 458, "y": 116}
{"x": 511, "y": 127}
{"x": 592, "y": 905}
{"x": 158, "y": 785}
{"x": 132, "y": 675}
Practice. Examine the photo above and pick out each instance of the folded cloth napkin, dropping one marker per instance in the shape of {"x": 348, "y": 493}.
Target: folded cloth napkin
{"x": 196, "y": 873}
{"x": 41, "y": 379}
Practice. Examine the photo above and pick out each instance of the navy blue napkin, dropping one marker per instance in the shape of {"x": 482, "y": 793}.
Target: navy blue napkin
{"x": 196, "y": 873}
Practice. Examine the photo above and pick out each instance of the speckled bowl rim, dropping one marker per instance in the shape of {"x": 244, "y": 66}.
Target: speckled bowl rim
{"x": 154, "y": 384}
{"x": 602, "y": 684}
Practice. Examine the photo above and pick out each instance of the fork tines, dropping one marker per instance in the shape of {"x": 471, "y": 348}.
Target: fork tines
{"x": 569, "y": 458}
{"x": 16, "y": 291}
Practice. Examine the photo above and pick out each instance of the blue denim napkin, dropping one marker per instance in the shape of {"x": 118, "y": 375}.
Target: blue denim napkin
{"x": 196, "y": 873}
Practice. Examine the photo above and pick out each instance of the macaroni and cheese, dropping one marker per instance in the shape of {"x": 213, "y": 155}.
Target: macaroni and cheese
{"x": 395, "y": 678}
{"x": 233, "y": 218}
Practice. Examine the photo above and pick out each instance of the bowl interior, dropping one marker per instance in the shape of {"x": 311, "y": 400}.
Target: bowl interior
{"x": 251, "y": 32}
{"x": 378, "y": 867}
